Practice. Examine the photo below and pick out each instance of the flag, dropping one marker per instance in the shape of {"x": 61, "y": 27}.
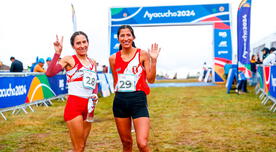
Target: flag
{"x": 243, "y": 29}
{"x": 74, "y": 19}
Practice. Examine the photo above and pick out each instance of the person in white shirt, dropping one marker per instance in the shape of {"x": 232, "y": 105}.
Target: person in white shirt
{"x": 271, "y": 58}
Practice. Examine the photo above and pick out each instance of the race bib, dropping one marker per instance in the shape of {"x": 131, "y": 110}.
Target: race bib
{"x": 89, "y": 79}
{"x": 126, "y": 83}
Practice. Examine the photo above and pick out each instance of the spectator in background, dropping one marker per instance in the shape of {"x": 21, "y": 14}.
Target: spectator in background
{"x": 227, "y": 67}
{"x": 16, "y": 66}
{"x": 4, "y": 67}
{"x": 48, "y": 61}
{"x": 253, "y": 69}
{"x": 272, "y": 49}
{"x": 99, "y": 68}
{"x": 259, "y": 61}
{"x": 265, "y": 52}
{"x": 271, "y": 58}
{"x": 205, "y": 68}
{"x": 242, "y": 83}
{"x": 105, "y": 69}
{"x": 39, "y": 66}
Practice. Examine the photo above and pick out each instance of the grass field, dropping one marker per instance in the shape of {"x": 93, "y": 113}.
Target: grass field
{"x": 196, "y": 119}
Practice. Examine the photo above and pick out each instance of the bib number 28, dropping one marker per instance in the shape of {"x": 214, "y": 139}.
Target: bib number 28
{"x": 89, "y": 79}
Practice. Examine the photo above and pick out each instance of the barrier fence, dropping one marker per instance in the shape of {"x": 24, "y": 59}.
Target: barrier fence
{"x": 266, "y": 85}
{"x": 19, "y": 91}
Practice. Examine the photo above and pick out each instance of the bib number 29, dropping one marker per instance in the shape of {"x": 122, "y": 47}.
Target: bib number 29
{"x": 126, "y": 83}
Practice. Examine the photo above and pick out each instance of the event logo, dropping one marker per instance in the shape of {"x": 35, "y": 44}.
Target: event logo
{"x": 244, "y": 3}
{"x": 221, "y": 8}
{"x": 17, "y": 90}
{"x": 169, "y": 13}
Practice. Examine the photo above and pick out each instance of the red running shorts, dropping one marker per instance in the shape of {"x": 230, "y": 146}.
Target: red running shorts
{"x": 75, "y": 106}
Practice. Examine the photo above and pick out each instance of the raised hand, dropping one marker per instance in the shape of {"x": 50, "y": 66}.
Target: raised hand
{"x": 58, "y": 44}
{"x": 154, "y": 51}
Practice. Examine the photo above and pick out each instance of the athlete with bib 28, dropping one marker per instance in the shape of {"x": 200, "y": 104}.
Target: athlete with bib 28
{"x": 132, "y": 68}
{"x": 82, "y": 87}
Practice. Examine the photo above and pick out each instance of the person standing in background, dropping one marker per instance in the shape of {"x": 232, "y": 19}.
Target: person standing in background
{"x": 270, "y": 58}
{"x": 48, "y": 61}
{"x": 39, "y": 66}
{"x": 265, "y": 53}
{"x": 16, "y": 66}
{"x": 3, "y": 66}
{"x": 253, "y": 68}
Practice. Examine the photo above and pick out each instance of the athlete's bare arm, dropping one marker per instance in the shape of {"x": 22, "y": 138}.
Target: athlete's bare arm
{"x": 112, "y": 64}
{"x": 149, "y": 60}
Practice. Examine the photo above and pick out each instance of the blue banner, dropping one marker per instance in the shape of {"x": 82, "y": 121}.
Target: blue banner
{"x": 243, "y": 29}
{"x": 223, "y": 43}
{"x": 58, "y": 84}
{"x": 215, "y": 14}
{"x": 272, "y": 82}
{"x": 169, "y": 14}
{"x": 15, "y": 91}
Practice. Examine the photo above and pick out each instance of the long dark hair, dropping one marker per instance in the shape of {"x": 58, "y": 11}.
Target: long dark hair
{"x": 72, "y": 39}
{"x": 131, "y": 31}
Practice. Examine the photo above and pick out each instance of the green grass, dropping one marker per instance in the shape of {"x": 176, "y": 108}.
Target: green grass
{"x": 196, "y": 119}
{"x": 176, "y": 80}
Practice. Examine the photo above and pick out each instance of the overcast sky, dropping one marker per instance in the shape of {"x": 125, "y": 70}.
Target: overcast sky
{"x": 28, "y": 29}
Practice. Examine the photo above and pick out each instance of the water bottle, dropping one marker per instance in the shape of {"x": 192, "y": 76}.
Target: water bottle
{"x": 92, "y": 101}
{"x": 90, "y": 113}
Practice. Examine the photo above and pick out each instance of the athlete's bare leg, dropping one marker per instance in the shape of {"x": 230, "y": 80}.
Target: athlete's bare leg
{"x": 142, "y": 126}
{"x": 76, "y": 131}
{"x": 124, "y": 130}
{"x": 86, "y": 129}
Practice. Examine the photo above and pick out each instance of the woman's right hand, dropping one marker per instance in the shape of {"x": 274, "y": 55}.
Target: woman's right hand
{"x": 58, "y": 44}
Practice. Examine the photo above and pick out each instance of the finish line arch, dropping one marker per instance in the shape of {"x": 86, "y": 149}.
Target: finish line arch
{"x": 217, "y": 15}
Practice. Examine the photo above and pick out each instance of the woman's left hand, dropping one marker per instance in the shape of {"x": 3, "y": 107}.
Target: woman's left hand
{"x": 154, "y": 51}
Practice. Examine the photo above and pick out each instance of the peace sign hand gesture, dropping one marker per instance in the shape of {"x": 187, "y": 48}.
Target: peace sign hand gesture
{"x": 58, "y": 45}
{"x": 154, "y": 51}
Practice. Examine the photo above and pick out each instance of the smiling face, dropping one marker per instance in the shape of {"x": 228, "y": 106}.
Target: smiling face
{"x": 81, "y": 45}
{"x": 125, "y": 37}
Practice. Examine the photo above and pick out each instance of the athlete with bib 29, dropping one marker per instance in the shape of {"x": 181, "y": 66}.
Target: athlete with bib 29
{"x": 132, "y": 68}
{"x": 82, "y": 87}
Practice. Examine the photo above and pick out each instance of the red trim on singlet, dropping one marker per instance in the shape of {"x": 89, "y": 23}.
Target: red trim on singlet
{"x": 79, "y": 66}
{"x": 121, "y": 65}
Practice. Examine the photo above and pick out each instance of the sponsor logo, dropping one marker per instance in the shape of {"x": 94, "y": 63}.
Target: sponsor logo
{"x": 119, "y": 69}
{"x": 273, "y": 80}
{"x": 223, "y": 44}
{"x": 17, "y": 90}
{"x": 116, "y": 46}
{"x": 61, "y": 84}
{"x": 222, "y": 52}
{"x": 244, "y": 36}
{"x": 223, "y": 34}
